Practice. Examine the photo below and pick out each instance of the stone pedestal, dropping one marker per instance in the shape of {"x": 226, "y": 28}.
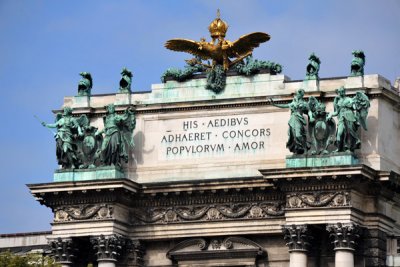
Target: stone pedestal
{"x": 81, "y": 102}
{"x": 311, "y": 85}
{"x": 354, "y": 82}
{"x": 99, "y": 173}
{"x": 334, "y": 159}
{"x": 344, "y": 240}
{"x": 123, "y": 99}
{"x": 297, "y": 237}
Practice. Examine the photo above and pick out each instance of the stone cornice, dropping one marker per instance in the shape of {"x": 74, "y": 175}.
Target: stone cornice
{"x": 229, "y": 103}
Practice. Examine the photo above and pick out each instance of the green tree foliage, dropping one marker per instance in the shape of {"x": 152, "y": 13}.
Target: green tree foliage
{"x": 8, "y": 259}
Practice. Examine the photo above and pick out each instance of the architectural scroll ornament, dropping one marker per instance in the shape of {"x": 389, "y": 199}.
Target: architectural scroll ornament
{"x": 108, "y": 247}
{"x": 297, "y": 237}
{"x": 63, "y": 250}
{"x": 229, "y": 243}
{"x": 209, "y": 212}
{"x": 83, "y": 212}
{"x": 344, "y": 235}
{"x": 318, "y": 199}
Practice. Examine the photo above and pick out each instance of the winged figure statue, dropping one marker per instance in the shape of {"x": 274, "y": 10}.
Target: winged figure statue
{"x": 220, "y": 51}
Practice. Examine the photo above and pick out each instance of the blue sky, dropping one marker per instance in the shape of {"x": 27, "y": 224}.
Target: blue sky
{"x": 45, "y": 44}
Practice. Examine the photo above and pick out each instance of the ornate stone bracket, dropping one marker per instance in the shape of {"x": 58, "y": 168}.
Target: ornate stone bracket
{"x": 63, "y": 250}
{"x": 344, "y": 235}
{"x": 108, "y": 248}
{"x": 318, "y": 199}
{"x": 209, "y": 212}
{"x": 297, "y": 237}
{"x": 83, "y": 212}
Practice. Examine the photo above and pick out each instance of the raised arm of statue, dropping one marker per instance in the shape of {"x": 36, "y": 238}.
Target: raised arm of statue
{"x": 278, "y": 105}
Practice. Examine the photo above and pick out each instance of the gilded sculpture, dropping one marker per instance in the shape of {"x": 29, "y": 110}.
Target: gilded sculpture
{"x": 220, "y": 50}
{"x": 223, "y": 53}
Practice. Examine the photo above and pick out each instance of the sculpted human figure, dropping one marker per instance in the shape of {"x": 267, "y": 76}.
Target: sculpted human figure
{"x": 351, "y": 113}
{"x": 67, "y": 130}
{"x": 118, "y": 136}
{"x": 297, "y": 141}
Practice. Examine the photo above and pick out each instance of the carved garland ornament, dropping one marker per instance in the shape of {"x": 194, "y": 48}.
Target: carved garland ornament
{"x": 304, "y": 200}
{"x": 83, "y": 212}
{"x": 209, "y": 212}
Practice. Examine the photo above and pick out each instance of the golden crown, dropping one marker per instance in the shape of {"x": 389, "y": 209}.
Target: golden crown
{"x": 218, "y": 27}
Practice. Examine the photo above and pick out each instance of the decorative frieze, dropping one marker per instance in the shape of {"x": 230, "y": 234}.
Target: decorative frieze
{"x": 208, "y": 212}
{"x": 344, "y": 235}
{"x": 297, "y": 237}
{"x": 63, "y": 250}
{"x": 83, "y": 212}
{"x": 108, "y": 247}
{"x": 317, "y": 199}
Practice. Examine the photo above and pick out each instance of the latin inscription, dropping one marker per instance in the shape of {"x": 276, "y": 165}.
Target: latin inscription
{"x": 215, "y": 136}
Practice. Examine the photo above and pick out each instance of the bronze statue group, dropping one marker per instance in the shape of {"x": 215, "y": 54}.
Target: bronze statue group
{"x": 80, "y": 145}
{"x": 319, "y": 137}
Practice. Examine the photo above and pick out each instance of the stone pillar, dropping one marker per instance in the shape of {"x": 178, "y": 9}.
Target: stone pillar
{"x": 297, "y": 239}
{"x": 63, "y": 251}
{"x": 344, "y": 241}
{"x": 108, "y": 249}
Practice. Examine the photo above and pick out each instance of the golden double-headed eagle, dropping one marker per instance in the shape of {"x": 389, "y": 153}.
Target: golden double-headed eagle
{"x": 221, "y": 51}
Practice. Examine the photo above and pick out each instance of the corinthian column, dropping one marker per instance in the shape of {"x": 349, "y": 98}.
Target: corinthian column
{"x": 63, "y": 251}
{"x": 297, "y": 239}
{"x": 344, "y": 240}
{"x": 108, "y": 249}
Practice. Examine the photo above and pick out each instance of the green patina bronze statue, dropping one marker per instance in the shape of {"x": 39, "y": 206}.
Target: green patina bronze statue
{"x": 118, "y": 138}
{"x": 126, "y": 81}
{"x": 85, "y": 84}
{"x": 68, "y": 130}
{"x": 357, "y": 63}
{"x": 297, "y": 141}
{"x": 192, "y": 67}
{"x": 351, "y": 113}
{"x": 313, "y": 67}
{"x": 321, "y": 130}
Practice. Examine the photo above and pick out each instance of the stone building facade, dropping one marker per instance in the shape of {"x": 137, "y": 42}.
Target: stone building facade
{"x": 207, "y": 183}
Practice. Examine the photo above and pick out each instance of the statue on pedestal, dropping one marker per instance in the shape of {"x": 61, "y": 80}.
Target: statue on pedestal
{"x": 351, "y": 113}
{"x": 313, "y": 67}
{"x": 357, "y": 63}
{"x": 68, "y": 130}
{"x": 297, "y": 141}
{"x": 85, "y": 84}
{"x": 126, "y": 81}
{"x": 118, "y": 136}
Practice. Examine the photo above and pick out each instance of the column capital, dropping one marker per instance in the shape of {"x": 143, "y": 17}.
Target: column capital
{"x": 135, "y": 252}
{"x": 297, "y": 237}
{"x": 344, "y": 235}
{"x": 108, "y": 248}
{"x": 63, "y": 250}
